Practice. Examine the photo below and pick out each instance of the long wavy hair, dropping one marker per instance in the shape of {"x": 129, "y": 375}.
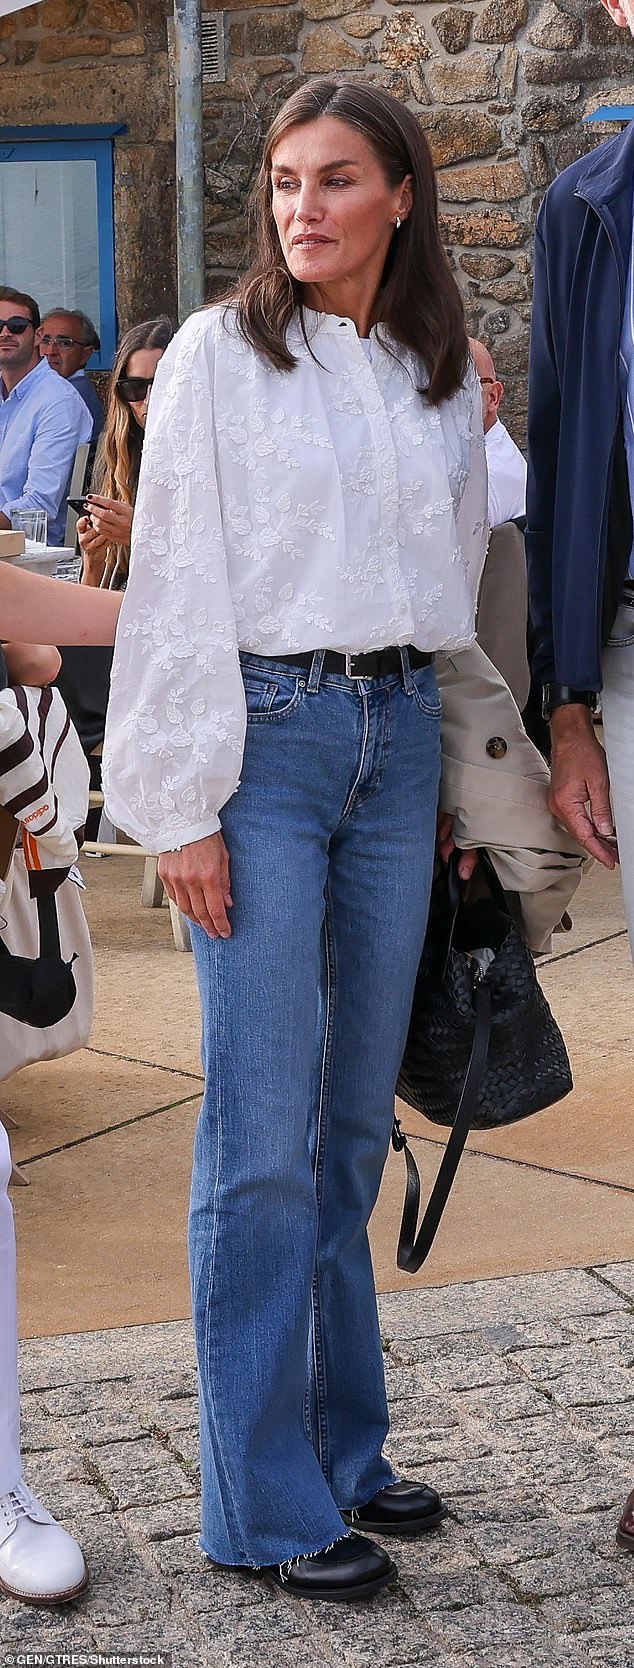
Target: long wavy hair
{"x": 420, "y": 303}
{"x": 118, "y": 460}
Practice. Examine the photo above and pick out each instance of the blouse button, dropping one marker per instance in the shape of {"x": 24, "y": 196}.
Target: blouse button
{"x": 496, "y": 747}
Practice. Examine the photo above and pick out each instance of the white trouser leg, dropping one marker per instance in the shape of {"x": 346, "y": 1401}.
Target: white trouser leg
{"x": 617, "y": 703}
{"x": 10, "y": 1463}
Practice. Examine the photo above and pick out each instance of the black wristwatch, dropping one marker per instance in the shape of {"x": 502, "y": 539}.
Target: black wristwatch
{"x": 563, "y": 695}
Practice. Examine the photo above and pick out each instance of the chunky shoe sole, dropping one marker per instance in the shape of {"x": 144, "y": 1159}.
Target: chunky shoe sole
{"x": 336, "y": 1594}
{"x": 626, "y": 1541}
{"x": 46, "y": 1598}
{"x": 408, "y": 1526}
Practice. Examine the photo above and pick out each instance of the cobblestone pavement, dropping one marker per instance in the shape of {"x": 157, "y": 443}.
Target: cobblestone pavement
{"x": 515, "y": 1397}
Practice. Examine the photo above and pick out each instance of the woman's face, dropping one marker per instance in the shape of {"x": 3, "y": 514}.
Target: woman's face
{"x": 334, "y": 209}
{"x": 143, "y": 363}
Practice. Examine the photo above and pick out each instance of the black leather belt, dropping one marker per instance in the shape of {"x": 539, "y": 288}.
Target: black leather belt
{"x": 378, "y": 664}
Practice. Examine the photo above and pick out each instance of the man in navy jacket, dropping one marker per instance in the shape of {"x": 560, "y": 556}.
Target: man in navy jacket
{"x": 579, "y": 500}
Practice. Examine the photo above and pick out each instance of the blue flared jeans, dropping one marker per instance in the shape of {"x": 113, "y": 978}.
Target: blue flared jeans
{"x": 305, "y": 1012}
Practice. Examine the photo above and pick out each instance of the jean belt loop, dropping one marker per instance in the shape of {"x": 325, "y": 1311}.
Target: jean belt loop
{"x": 408, "y": 684}
{"x": 314, "y": 677}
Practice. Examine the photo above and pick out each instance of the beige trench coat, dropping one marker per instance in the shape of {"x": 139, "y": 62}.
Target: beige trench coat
{"x": 495, "y": 785}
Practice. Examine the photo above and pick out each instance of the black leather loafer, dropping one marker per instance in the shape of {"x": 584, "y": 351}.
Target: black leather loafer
{"x": 400, "y": 1509}
{"x": 353, "y": 1568}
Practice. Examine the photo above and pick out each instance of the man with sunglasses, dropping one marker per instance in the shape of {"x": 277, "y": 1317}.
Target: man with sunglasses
{"x": 42, "y": 420}
{"x": 506, "y": 467}
{"x": 67, "y": 339}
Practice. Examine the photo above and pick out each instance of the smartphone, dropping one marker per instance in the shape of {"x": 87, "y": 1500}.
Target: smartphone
{"x": 80, "y": 505}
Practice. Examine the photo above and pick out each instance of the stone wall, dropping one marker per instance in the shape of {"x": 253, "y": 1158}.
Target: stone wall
{"x": 94, "y": 61}
{"x": 500, "y": 87}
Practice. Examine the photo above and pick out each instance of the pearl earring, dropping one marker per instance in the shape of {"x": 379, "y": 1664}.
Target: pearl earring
{"x": 398, "y": 222}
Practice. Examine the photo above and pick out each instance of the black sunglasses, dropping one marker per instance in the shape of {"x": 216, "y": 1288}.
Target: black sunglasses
{"x": 133, "y": 389}
{"x": 16, "y": 326}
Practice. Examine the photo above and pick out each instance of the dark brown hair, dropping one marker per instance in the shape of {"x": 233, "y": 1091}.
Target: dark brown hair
{"x": 118, "y": 460}
{"x": 420, "y": 306}
{"x": 7, "y": 294}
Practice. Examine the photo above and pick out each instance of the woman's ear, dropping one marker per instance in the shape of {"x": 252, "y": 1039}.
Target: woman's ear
{"x": 406, "y": 202}
{"x": 617, "y": 14}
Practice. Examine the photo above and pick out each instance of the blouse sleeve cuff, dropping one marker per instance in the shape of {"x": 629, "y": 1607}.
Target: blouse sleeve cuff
{"x": 177, "y": 838}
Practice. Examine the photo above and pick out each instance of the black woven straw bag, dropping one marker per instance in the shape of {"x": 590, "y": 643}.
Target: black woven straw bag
{"x": 483, "y": 1048}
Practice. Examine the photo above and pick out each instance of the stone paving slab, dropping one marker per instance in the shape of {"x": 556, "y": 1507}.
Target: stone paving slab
{"x": 511, "y": 1395}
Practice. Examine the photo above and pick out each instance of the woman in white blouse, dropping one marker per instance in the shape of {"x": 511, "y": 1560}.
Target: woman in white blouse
{"x": 309, "y": 529}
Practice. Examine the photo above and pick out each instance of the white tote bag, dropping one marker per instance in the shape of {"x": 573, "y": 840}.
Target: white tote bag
{"x": 22, "y": 1045}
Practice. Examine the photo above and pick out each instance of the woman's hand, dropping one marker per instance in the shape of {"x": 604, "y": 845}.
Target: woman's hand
{"x": 94, "y": 549}
{"x": 197, "y": 881}
{"x": 446, "y": 844}
{"x": 110, "y": 518}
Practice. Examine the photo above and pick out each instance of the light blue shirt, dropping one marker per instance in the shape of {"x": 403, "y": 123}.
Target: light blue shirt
{"x": 627, "y": 381}
{"x": 42, "y": 422}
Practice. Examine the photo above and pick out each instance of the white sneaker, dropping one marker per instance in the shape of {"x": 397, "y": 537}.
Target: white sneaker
{"x": 40, "y": 1563}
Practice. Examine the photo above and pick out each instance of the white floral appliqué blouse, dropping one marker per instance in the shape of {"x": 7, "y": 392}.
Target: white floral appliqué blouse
{"x": 279, "y": 511}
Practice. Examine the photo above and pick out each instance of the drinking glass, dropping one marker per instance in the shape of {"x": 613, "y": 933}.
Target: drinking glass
{"x": 34, "y": 525}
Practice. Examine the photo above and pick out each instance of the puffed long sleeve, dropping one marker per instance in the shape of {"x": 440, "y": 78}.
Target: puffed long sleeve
{"x": 176, "y": 716}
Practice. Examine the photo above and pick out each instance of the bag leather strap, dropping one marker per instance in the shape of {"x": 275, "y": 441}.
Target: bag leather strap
{"x": 413, "y": 1248}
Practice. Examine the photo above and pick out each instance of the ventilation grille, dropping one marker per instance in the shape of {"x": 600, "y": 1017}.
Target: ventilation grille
{"x": 212, "y": 44}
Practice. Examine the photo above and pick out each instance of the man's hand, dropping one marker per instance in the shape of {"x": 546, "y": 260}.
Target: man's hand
{"x": 580, "y": 788}
{"x": 446, "y": 844}
{"x": 197, "y": 881}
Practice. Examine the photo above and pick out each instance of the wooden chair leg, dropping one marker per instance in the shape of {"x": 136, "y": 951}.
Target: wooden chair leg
{"x": 180, "y": 928}
{"x": 152, "y": 888}
{"x": 18, "y": 1178}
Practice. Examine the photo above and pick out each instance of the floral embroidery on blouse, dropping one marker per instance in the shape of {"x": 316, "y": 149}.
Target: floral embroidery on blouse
{"x": 279, "y": 512}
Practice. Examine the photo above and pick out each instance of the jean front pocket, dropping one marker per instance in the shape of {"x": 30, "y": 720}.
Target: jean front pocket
{"x": 271, "y": 696}
{"x": 425, "y": 692}
{"x": 622, "y": 633}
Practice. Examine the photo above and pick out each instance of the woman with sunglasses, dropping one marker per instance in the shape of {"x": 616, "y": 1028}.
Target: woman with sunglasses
{"x": 105, "y": 533}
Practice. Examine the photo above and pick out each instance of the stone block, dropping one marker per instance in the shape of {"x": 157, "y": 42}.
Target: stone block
{"x": 53, "y": 49}
{"x": 490, "y": 226}
{"x": 404, "y": 42}
{"x": 29, "y": 18}
{"x": 544, "y": 69}
{"x": 272, "y": 33}
{"x": 362, "y": 24}
{"x": 236, "y": 40}
{"x": 456, "y": 136}
{"x": 499, "y": 183}
{"x": 485, "y": 267}
{"x": 130, "y": 46}
{"x": 599, "y": 27}
{"x": 537, "y": 1578}
{"x": 24, "y": 51}
{"x": 538, "y": 164}
{"x": 546, "y": 115}
{"x": 325, "y": 49}
{"x": 501, "y": 20}
{"x": 60, "y": 14}
{"x": 554, "y": 29}
{"x": 316, "y": 9}
{"x": 267, "y": 67}
{"x": 453, "y": 28}
{"x": 115, "y": 16}
{"x": 468, "y": 79}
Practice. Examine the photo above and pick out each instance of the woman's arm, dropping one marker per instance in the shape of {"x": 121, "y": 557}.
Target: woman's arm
{"x": 33, "y": 609}
{"x": 32, "y": 663}
{"x": 176, "y": 717}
